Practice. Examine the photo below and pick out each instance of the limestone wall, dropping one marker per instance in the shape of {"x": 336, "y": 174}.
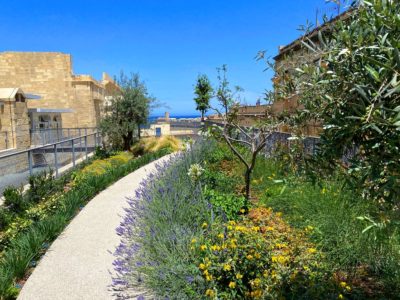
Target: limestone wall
{"x": 50, "y": 75}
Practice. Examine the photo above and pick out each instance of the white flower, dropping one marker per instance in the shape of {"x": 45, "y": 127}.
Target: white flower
{"x": 195, "y": 172}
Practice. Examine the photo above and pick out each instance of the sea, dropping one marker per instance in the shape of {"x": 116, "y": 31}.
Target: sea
{"x": 152, "y": 119}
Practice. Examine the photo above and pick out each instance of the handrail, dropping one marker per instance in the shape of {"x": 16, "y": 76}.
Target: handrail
{"x": 47, "y": 145}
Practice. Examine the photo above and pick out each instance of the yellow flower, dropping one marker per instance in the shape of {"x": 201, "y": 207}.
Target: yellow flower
{"x": 279, "y": 259}
{"x": 232, "y": 285}
{"x": 256, "y": 294}
{"x": 232, "y": 223}
{"x": 203, "y": 247}
{"x": 256, "y": 282}
{"x": 312, "y": 250}
{"x": 232, "y": 245}
{"x": 255, "y": 228}
{"x": 221, "y": 235}
{"x": 227, "y": 267}
{"x": 249, "y": 257}
{"x": 343, "y": 284}
{"x": 210, "y": 293}
{"x": 242, "y": 211}
{"x": 239, "y": 276}
{"x": 279, "y": 214}
{"x": 269, "y": 228}
{"x": 229, "y": 227}
{"x": 340, "y": 296}
{"x": 202, "y": 266}
{"x": 257, "y": 255}
{"x": 215, "y": 248}
{"x": 205, "y": 273}
{"x": 209, "y": 277}
{"x": 323, "y": 191}
{"x": 348, "y": 288}
{"x": 204, "y": 225}
{"x": 194, "y": 241}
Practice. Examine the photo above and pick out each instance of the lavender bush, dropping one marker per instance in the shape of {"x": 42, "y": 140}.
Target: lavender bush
{"x": 161, "y": 220}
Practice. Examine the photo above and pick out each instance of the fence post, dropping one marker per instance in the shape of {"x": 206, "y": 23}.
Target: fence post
{"x": 55, "y": 159}
{"x": 86, "y": 147}
{"x": 73, "y": 153}
{"x": 30, "y": 162}
{"x": 42, "y": 134}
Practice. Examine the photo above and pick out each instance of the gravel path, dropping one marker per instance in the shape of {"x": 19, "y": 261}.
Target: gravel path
{"x": 79, "y": 262}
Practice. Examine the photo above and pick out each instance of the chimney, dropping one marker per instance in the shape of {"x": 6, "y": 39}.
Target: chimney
{"x": 166, "y": 116}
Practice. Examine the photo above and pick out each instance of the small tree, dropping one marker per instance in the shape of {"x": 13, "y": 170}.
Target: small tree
{"x": 129, "y": 109}
{"x": 203, "y": 91}
{"x": 254, "y": 139}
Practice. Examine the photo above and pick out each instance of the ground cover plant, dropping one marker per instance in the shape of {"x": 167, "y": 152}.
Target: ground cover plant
{"x": 368, "y": 261}
{"x": 28, "y": 235}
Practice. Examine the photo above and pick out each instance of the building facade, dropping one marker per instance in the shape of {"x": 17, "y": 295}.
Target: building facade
{"x": 50, "y": 75}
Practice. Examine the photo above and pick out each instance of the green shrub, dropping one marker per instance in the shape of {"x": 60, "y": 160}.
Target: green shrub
{"x": 14, "y": 199}
{"x": 41, "y": 185}
{"x": 229, "y": 205}
{"x": 5, "y": 218}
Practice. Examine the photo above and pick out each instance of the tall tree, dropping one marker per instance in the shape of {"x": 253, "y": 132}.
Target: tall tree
{"x": 129, "y": 109}
{"x": 203, "y": 91}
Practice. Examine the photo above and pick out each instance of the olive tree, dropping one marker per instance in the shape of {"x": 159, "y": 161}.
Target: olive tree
{"x": 354, "y": 90}
{"x": 129, "y": 109}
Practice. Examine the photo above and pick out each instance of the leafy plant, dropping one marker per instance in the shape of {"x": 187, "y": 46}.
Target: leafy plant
{"x": 229, "y": 205}
{"x": 41, "y": 185}
{"x": 14, "y": 199}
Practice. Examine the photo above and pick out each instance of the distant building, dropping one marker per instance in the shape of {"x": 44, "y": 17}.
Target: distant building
{"x": 50, "y": 75}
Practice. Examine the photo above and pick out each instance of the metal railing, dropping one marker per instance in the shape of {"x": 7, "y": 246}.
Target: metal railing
{"x": 53, "y": 135}
{"x": 39, "y": 137}
{"x": 17, "y": 166}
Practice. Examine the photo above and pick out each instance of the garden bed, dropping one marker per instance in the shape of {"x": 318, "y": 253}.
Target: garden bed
{"x": 41, "y": 214}
{"x": 188, "y": 236}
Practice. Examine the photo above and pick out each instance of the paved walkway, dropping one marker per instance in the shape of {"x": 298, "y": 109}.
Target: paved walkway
{"x": 79, "y": 262}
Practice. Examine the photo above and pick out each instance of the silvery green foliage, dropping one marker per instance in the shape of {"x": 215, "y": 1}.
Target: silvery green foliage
{"x": 160, "y": 221}
{"x": 353, "y": 88}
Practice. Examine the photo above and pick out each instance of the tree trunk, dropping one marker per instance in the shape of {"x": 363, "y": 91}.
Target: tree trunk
{"x": 202, "y": 115}
{"x": 128, "y": 140}
{"x": 138, "y": 131}
{"x": 247, "y": 178}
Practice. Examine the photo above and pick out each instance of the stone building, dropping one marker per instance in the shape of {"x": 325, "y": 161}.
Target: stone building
{"x": 14, "y": 120}
{"x": 50, "y": 75}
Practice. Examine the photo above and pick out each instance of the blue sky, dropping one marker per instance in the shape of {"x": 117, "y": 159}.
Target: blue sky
{"x": 168, "y": 42}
